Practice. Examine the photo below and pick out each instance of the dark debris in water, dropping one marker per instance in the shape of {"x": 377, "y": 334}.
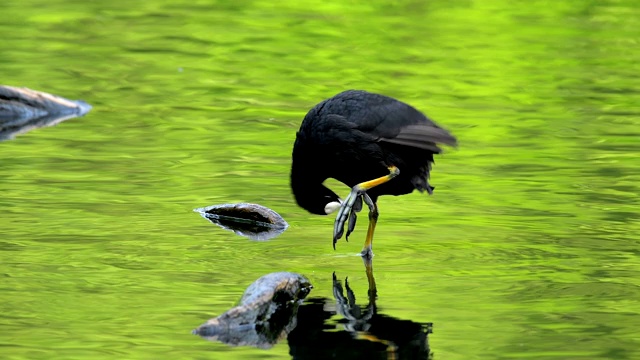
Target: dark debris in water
{"x": 253, "y": 221}
{"x": 278, "y": 307}
{"x": 266, "y": 313}
{"x": 23, "y": 109}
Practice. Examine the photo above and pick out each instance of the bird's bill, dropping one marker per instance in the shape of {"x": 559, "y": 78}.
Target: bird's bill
{"x": 332, "y": 207}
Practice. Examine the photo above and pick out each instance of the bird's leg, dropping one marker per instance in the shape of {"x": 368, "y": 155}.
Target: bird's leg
{"x": 357, "y": 191}
{"x": 367, "y": 252}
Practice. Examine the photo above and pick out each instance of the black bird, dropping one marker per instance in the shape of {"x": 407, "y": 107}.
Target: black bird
{"x": 373, "y": 143}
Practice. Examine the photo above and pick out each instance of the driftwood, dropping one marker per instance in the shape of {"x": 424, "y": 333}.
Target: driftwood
{"x": 272, "y": 309}
{"x": 254, "y": 221}
{"x": 266, "y": 313}
{"x": 23, "y": 109}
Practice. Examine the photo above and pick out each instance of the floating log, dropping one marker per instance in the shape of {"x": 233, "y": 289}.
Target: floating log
{"x": 266, "y": 313}
{"x": 253, "y": 221}
{"x": 23, "y": 109}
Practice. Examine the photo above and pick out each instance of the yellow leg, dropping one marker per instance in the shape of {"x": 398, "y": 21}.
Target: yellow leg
{"x": 393, "y": 172}
{"x": 368, "y": 243}
{"x": 346, "y": 209}
{"x": 373, "y": 213}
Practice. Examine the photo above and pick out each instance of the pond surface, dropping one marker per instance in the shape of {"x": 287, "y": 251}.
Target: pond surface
{"x": 529, "y": 247}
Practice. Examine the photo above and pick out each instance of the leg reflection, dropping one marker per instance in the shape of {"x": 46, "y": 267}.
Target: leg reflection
{"x": 359, "y": 319}
{"x": 373, "y": 291}
{"x": 363, "y": 332}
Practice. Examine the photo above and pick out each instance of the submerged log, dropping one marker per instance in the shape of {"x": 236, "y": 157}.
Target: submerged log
{"x": 254, "y": 221}
{"x": 23, "y": 109}
{"x": 266, "y": 313}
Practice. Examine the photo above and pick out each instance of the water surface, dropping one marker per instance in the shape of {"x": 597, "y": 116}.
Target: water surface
{"x": 527, "y": 249}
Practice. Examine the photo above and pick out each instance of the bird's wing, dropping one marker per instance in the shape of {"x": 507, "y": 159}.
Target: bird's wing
{"x": 382, "y": 118}
{"x": 399, "y": 123}
{"x": 423, "y": 136}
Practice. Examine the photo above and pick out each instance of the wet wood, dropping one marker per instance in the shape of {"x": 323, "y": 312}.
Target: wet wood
{"x": 266, "y": 313}
{"x": 23, "y": 109}
{"x": 253, "y": 221}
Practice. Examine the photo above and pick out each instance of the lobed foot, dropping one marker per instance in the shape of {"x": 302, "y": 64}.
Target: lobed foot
{"x": 348, "y": 209}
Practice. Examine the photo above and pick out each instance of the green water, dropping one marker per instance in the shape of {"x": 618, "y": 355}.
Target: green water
{"x": 527, "y": 249}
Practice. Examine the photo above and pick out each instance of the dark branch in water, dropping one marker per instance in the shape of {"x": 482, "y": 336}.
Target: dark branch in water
{"x": 23, "y": 109}
{"x": 266, "y": 313}
{"x": 254, "y": 221}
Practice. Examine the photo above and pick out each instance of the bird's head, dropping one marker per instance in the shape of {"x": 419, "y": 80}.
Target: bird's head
{"x": 307, "y": 183}
{"x": 318, "y": 200}
{"x": 332, "y": 206}
{"x": 323, "y": 202}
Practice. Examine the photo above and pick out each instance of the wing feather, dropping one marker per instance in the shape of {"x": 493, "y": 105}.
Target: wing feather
{"x": 422, "y": 136}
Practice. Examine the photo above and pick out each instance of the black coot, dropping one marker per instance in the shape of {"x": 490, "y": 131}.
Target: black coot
{"x": 373, "y": 143}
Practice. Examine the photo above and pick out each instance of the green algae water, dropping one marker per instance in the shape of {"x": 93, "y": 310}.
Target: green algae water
{"x": 527, "y": 249}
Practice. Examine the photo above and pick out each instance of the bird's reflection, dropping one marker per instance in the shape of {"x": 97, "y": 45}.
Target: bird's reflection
{"x": 270, "y": 312}
{"x": 357, "y": 317}
{"x": 362, "y": 333}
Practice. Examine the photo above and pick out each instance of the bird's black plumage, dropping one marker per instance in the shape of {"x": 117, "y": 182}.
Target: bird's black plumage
{"x": 354, "y": 137}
